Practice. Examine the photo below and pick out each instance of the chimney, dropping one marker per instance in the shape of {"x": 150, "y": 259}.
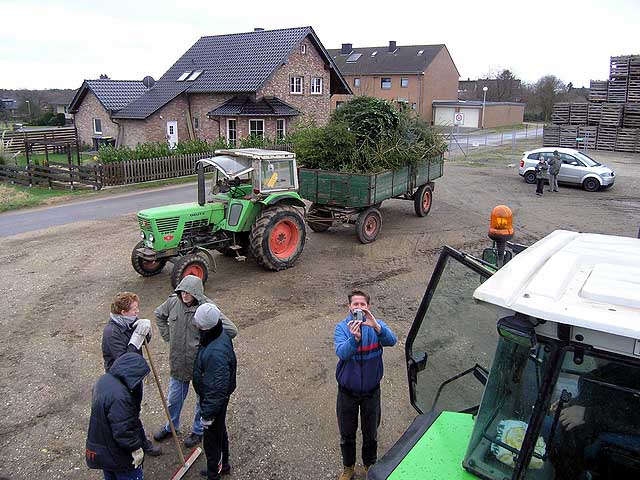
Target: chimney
{"x": 392, "y": 46}
{"x": 258, "y": 29}
{"x": 346, "y": 49}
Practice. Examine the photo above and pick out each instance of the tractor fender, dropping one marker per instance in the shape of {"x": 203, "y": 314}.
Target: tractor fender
{"x": 283, "y": 199}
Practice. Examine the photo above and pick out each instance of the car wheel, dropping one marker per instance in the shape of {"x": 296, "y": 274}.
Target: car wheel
{"x": 591, "y": 185}
{"x": 530, "y": 177}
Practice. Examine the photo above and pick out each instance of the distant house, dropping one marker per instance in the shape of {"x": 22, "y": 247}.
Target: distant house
{"x": 58, "y": 102}
{"x": 9, "y": 105}
{"x": 414, "y": 75}
{"x": 232, "y": 86}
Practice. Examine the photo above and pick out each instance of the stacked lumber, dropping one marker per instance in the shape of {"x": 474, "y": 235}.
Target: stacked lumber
{"x": 598, "y": 90}
{"x": 560, "y": 113}
{"x": 631, "y": 117}
{"x": 633, "y": 92}
{"x": 579, "y": 113}
{"x": 611, "y": 114}
{"x": 626, "y": 140}
{"x": 607, "y": 138}
{"x": 551, "y": 135}
{"x": 617, "y": 90}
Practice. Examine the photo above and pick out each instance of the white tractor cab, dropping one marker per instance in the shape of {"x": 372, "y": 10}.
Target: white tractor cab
{"x": 562, "y": 397}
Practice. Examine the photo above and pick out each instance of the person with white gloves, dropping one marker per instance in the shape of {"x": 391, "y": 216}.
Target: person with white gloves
{"x": 125, "y": 332}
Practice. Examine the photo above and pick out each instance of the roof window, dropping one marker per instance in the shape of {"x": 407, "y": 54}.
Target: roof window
{"x": 194, "y": 76}
{"x": 420, "y": 52}
{"x": 374, "y": 53}
{"x": 184, "y": 76}
{"x": 353, "y": 57}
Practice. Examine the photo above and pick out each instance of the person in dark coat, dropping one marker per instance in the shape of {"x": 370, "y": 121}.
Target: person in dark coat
{"x": 214, "y": 380}
{"x": 541, "y": 175}
{"x": 114, "y": 444}
{"x": 125, "y": 332}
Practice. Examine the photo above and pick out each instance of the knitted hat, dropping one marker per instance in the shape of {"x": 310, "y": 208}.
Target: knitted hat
{"x": 207, "y": 316}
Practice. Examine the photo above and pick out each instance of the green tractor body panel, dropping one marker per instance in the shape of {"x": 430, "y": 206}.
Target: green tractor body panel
{"x": 439, "y": 453}
{"x": 168, "y": 224}
{"x": 287, "y": 198}
{"x": 240, "y": 216}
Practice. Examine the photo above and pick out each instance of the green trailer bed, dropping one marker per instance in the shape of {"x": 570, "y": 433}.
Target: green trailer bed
{"x": 355, "y": 198}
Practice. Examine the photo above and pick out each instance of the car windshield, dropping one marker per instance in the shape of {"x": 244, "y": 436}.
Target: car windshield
{"x": 588, "y": 161}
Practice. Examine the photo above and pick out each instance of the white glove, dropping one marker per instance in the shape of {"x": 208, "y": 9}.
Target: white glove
{"x": 206, "y": 423}
{"x": 143, "y": 326}
{"x": 137, "y": 340}
{"x": 138, "y": 457}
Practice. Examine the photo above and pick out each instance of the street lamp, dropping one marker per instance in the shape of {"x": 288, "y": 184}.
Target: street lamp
{"x": 28, "y": 105}
{"x": 484, "y": 102}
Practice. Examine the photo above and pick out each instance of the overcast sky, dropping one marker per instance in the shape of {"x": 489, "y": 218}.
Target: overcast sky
{"x": 57, "y": 44}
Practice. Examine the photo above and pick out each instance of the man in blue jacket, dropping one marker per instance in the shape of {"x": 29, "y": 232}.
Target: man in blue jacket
{"x": 358, "y": 341}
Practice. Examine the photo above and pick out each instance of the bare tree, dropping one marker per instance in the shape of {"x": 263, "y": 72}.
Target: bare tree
{"x": 547, "y": 91}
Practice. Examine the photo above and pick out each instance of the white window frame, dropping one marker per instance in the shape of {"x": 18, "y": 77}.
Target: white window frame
{"x": 284, "y": 128}
{"x": 184, "y": 76}
{"x": 261, "y": 120}
{"x": 313, "y": 86}
{"x": 235, "y": 141}
{"x": 357, "y": 82}
{"x": 382, "y": 81}
{"x": 196, "y": 123}
{"x": 292, "y": 84}
{"x": 403, "y": 81}
{"x": 194, "y": 75}
{"x": 95, "y": 130}
{"x": 303, "y": 49}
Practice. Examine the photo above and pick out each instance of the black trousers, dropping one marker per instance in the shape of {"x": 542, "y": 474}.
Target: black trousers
{"x": 348, "y": 405}
{"x": 540, "y": 185}
{"x": 216, "y": 445}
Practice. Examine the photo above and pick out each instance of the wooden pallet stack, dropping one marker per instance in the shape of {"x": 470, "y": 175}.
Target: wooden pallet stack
{"x": 595, "y": 113}
{"x": 568, "y": 135}
{"x": 631, "y": 117}
{"x": 611, "y": 114}
{"x": 607, "y": 138}
{"x": 589, "y": 136}
{"x": 598, "y": 90}
{"x": 561, "y": 113}
{"x": 627, "y": 139}
{"x": 579, "y": 113}
{"x": 551, "y": 135}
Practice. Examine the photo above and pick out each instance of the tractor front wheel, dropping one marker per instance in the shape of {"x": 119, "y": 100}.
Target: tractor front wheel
{"x": 277, "y": 238}
{"x": 145, "y": 267}
{"x": 189, "y": 265}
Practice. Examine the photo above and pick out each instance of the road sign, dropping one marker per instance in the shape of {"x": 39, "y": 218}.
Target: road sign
{"x": 458, "y": 118}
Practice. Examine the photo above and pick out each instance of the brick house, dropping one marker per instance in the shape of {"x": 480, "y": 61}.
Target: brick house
{"x": 414, "y": 75}
{"x": 232, "y": 86}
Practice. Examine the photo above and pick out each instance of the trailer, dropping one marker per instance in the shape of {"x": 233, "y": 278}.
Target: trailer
{"x": 355, "y": 198}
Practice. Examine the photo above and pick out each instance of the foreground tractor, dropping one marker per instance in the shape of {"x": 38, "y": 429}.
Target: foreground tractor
{"x": 561, "y": 400}
{"x": 250, "y": 209}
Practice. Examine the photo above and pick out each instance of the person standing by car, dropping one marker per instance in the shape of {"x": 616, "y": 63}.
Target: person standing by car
{"x": 554, "y": 169}
{"x": 541, "y": 175}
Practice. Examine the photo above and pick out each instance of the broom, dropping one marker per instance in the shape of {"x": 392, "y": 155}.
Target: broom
{"x": 193, "y": 456}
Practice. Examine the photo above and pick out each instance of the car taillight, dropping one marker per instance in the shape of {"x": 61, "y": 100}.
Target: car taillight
{"x": 522, "y": 163}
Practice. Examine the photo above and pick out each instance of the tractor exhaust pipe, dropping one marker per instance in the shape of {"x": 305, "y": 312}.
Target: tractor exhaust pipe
{"x": 201, "y": 186}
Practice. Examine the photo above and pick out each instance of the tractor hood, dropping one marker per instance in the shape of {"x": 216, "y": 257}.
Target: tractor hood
{"x": 172, "y": 210}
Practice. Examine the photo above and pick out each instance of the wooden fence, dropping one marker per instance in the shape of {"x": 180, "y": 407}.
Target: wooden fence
{"x": 37, "y": 138}
{"x": 54, "y": 175}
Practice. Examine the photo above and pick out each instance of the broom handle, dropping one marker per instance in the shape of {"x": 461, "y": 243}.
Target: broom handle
{"x": 164, "y": 402}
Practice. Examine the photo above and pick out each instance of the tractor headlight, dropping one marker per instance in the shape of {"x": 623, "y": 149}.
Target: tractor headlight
{"x": 151, "y": 239}
{"x": 141, "y": 234}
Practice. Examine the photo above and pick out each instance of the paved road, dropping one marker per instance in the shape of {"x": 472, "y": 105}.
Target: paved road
{"x": 12, "y": 223}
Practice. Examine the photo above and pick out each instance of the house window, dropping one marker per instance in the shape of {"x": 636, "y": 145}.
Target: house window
{"x": 256, "y": 128}
{"x": 303, "y": 49}
{"x": 196, "y": 123}
{"x": 356, "y": 82}
{"x": 316, "y": 86}
{"x": 232, "y": 131}
{"x": 281, "y": 131}
{"x": 385, "y": 83}
{"x": 296, "y": 85}
{"x": 404, "y": 82}
{"x": 97, "y": 126}
{"x": 413, "y": 106}
{"x": 338, "y": 105}
{"x": 184, "y": 76}
{"x": 194, "y": 75}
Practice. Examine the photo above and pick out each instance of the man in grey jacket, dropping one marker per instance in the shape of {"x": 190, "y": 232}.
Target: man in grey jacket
{"x": 175, "y": 319}
{"x": 554, "y": 169}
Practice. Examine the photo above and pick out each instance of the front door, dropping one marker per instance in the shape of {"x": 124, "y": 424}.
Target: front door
{"x": 172, "y": 134}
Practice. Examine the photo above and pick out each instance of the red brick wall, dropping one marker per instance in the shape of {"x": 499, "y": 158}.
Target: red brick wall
{"x": 503, "y": 115}
{"x": 91, "y": 108}
{"x": 310, "y": 65}
{"x": 371, "y": 85}
{"x": 440, "y": 82}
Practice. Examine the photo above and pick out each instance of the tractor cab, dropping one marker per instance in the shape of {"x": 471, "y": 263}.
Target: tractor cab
{"x": 559, "y": 326}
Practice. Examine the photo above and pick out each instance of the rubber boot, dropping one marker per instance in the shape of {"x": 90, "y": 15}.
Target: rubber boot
{"x": 347, "y": 473}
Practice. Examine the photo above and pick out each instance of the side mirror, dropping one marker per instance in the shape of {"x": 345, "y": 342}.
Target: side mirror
{"x": 575, "y": 164}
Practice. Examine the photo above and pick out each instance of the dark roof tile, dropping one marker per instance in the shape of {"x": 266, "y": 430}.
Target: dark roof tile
{"x": 405, "y": 59}
{"x": 153, "y": 99}
{"x": 115, "y": 94}
{"x": 244, "y": 106}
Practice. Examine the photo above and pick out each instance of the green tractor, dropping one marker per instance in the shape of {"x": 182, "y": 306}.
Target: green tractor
{"x": 559, "y": 326}
{"x": 252, "y": 208}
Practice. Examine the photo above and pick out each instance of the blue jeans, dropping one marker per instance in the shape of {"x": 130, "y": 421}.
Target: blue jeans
{"x": 178, "y": 391}
{"x": 128, "y": 475}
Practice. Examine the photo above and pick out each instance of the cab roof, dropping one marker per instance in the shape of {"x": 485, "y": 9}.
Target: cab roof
{"x": 580, "y": 279}
{"x": 256, "y": 153}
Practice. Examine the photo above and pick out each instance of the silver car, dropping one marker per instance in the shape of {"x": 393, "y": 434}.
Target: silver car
{"x": 577, "y": 168}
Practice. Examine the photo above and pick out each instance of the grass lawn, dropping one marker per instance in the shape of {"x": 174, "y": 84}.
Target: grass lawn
{"x": 498, "y": 155}
{"x": 38, "y": 158}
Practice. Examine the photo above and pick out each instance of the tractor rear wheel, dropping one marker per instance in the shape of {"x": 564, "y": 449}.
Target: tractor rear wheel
{"x": 277, "y": 238}
{"x": 191, "y": 264}
{"x": 422, "y": 200}
{"x": 144, "y": 267}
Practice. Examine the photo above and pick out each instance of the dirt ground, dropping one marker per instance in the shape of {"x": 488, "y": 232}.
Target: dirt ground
{"x": 58, "y": 284}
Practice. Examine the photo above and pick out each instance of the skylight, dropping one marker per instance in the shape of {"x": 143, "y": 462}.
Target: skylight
{"x": 374, "y": 53}
{"x": 194, "y": 75}
{"x": 183, "y": 77}
{"x": 420, "y": 52}
{"x": 353, "y": 57}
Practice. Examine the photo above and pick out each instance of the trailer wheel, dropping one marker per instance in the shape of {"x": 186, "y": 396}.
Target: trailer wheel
{"x": 368, "y": 225}
{"x": 422, "y": 200}
{"x": 319, "y": 226}
{"x": 144, "y": 267}
{"x": 277, "y": 238}
{"x": 189, "y": 265}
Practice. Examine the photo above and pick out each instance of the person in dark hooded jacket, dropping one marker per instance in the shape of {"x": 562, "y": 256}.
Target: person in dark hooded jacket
{"x": 175, "y": 319}
{"x": 114, "y": 444}
{"x": 214, "y": 380}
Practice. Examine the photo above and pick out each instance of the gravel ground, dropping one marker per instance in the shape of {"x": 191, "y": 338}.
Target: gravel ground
{"x": 58, "y": 283}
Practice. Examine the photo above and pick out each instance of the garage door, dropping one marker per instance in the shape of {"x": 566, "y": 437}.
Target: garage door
{"x": 444, "y": 115}
{"x": 471, "y": 117}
